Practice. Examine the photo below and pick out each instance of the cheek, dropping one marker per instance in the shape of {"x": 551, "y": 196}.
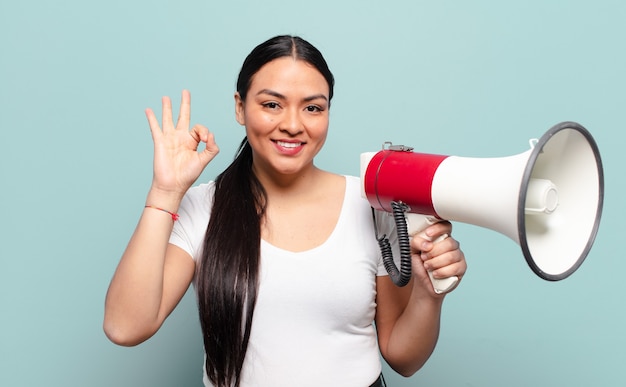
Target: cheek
{"x": 259, "y": 123}
{"x": 321, "y": 127}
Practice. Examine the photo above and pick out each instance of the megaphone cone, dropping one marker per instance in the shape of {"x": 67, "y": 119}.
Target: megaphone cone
{"x": 547, "y": 199}
{"x": 555, "y": 244}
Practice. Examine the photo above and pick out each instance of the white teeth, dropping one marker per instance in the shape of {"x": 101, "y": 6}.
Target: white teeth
{"x": 288, "y": 144}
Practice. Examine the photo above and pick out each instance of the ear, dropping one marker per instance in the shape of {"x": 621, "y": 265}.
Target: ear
{"x": 239, "y": 109}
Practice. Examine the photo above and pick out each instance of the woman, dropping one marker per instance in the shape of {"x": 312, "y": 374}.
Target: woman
{"x": 282, "y": 254}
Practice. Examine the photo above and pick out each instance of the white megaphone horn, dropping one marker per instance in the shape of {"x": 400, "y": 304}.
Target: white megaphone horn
{"x": 547, "y": 199}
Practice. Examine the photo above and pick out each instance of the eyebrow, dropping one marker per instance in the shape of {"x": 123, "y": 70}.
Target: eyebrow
{"x": 280, "y": 96}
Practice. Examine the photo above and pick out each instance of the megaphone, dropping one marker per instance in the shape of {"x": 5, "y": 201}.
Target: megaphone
{"x": 547, "y": 199}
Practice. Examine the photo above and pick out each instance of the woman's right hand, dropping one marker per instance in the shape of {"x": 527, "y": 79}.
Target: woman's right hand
{"x": 177, "y": 162}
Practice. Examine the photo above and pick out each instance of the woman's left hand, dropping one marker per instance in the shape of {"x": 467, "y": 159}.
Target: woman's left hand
{"x": 443, "y": 258}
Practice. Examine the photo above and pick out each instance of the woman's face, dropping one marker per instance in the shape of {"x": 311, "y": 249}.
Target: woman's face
{"x": 285, "y": 115}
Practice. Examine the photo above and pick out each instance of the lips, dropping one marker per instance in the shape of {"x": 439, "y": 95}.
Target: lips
{"x": 288, "y": 147}
{"x": 286, "y": 144}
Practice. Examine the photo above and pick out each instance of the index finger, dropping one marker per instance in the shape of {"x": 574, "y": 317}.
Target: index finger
{"x": 440, "y": 228}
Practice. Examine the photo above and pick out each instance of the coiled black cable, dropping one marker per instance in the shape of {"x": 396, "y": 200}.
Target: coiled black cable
{"x": 399, "y": 277}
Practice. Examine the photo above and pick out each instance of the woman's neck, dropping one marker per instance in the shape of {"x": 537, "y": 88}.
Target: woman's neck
{"x": 303, "y": 182}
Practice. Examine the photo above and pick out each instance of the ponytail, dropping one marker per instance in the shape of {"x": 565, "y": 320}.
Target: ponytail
{"x": 227, "y": 277}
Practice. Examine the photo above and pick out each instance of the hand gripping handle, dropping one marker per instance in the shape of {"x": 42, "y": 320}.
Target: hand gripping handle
{"x": 416, "y": 224}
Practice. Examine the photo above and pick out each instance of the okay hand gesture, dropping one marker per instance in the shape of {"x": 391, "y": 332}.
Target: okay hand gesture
{"x": 177, "y": 161}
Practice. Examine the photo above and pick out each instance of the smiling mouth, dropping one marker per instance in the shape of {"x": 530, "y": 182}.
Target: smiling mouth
{"x": 288, "y": 144}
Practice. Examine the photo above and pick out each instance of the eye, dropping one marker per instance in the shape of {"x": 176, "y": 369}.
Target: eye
{"x": 271, "y": 105}
{"x": 314, "y": 109}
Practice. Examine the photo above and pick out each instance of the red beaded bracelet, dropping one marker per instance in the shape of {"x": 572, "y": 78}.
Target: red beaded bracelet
{"x": 173, "y": 214}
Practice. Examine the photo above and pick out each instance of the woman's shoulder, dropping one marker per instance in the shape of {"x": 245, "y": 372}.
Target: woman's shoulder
{"x": 201, "y": 194}
{"x": 201, "y": 189}
{"x": 353, "y": 184}
{"x": 354, "y": 180}
{"x": 339, "y": 178}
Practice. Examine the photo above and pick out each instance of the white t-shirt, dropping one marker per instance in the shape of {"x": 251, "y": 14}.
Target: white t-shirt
{"x": 313, "y": 321}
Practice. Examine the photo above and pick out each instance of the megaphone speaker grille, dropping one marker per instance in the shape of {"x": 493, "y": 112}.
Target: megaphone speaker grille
{"x": 555, "y": 242}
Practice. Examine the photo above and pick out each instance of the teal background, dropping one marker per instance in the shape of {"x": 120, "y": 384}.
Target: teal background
{"x": 468, "y": 78}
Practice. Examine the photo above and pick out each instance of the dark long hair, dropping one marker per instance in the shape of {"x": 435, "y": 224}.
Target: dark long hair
{"x": 227, "y": 276}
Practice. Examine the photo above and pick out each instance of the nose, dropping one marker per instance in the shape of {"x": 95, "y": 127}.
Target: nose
{"x": 292, "y": 122}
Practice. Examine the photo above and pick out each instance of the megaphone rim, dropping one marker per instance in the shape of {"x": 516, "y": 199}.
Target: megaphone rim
{"x": 538, "y": 148}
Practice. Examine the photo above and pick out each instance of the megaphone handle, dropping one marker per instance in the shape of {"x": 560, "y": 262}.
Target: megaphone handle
{"x": 417, "y": 223}
{"x": 441, "y": 285}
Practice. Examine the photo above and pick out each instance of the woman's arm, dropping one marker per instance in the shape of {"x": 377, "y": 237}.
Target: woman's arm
{"x": 408, "y": 318}
{"x": 153, "y": 275}
{"x": 150, "y": 280}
